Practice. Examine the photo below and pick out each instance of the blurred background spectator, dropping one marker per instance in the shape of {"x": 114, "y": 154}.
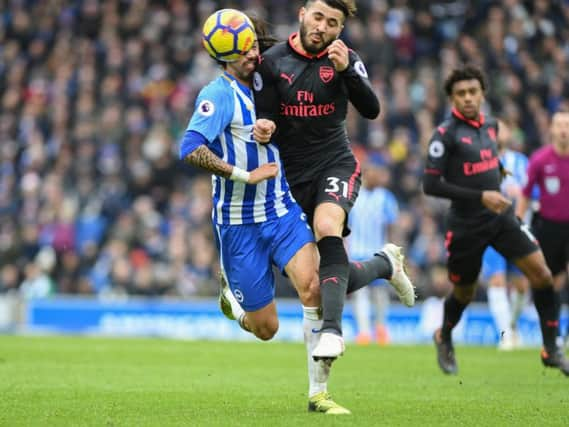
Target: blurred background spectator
{"x": 94, "y": 96}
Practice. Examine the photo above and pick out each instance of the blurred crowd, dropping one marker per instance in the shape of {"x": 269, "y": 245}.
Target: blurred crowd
{"x": 94, "y": 96}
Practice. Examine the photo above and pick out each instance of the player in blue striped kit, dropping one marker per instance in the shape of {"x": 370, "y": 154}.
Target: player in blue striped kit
{"x": 256, "y": 221}
{"x": 374, "y": 212}
{"x": 496, "y": 270}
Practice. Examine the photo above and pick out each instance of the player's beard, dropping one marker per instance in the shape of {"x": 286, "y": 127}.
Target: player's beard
{"x": 245, "y": 74}
{"x": 310, "y": 47}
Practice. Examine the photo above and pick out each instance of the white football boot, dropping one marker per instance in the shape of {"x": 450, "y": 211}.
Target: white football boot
{"x": 229, "y": 306}
{"x": 330, "y": 346}
{"x": 399, "y": 279}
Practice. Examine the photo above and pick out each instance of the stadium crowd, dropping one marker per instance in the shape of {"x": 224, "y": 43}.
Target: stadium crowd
{"x": 94, "y": 96}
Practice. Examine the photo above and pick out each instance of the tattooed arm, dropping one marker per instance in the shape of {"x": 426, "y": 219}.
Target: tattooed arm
{"x": 204, "y": 158}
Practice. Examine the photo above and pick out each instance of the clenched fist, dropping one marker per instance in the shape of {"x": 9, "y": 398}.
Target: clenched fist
{"x": 338, "y": 54}
{"x": 263, "y": 129}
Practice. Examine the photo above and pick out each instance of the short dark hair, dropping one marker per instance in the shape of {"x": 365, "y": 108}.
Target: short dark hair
{"x": 348, "y": 7}
{"x": 468, "y": 72}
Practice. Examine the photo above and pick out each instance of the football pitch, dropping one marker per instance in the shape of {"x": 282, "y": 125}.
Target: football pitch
{"x": 73, "y": 381}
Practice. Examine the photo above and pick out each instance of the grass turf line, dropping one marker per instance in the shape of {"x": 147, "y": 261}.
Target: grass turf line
{"x": 60, "y": 381}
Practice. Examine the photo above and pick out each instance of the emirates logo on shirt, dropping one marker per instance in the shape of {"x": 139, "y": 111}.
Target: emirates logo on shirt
{"x": 326, "y": 73}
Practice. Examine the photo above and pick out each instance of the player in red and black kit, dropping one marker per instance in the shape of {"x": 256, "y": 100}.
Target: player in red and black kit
{"x": 463, "y": 166}
{"x": 549, "y": 169}
{"x": 304, "y": 85}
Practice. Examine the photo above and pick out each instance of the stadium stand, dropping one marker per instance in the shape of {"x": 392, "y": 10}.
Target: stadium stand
{"x": 94, "y": 96}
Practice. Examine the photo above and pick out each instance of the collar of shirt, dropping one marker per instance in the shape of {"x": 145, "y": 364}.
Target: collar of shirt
{"x": 241, "y": 86}
{"x": 474, "y": 123}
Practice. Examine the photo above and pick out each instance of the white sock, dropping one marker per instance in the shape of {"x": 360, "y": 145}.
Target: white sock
{"x": 362, "y": 310}
{"x": 318, "y": 372}
{"x": 519, "y": 301}
{"x": 499, "y": 306}
{"x": 380, "y": 298}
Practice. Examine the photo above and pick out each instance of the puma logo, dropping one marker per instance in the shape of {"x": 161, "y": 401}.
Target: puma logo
{"x": 335, "y": 196}
{"x": 330, "y": 279}
{"x": 287, "y": 77}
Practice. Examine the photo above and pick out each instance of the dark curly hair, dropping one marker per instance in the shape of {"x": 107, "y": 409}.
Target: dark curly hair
{"x": 348, "y": 7}
{"x": 468, "y": 72}
{"x": 264, "y": 37}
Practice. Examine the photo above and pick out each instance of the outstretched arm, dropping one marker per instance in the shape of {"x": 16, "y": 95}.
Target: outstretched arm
{"x": 204, "y": 158}
{"x": 435, "y": 185}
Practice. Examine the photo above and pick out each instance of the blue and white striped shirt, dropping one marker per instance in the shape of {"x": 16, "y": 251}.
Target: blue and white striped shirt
{"x": 517, "y": 164}
{"x": 512, "y": 185}
{"x": 224, "y": 114}
{"x": 369, "y": 219}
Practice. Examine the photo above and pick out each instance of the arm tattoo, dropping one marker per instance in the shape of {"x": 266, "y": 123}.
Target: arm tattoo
{"x": 204, "y": 158}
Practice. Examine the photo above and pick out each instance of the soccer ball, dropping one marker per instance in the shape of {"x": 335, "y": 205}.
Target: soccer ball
{"x": 227, "y": 34}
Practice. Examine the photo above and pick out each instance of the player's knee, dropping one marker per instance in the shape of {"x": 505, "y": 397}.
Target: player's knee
{"x": 465, "y": 293}
{"x": 540, "y": 277}
{"x": 327, "y": 226}
{"x": 267, "y": 330}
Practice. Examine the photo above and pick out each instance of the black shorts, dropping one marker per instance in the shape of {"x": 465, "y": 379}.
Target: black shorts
{"x": 553, "y": 237}
{"x": 338, "y": 184}
{"x": 467, "y": 239}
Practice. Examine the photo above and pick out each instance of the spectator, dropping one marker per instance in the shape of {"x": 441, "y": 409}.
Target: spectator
{"x": 93, "y": 96}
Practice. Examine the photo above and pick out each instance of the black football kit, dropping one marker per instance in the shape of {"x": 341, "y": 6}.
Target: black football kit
{"x": 308, "y": 100}
{"x": 462, "y": 162}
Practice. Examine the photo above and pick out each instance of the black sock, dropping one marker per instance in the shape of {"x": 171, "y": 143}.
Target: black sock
{"x": 452, "y": 314}
{"x": 365, "y": 272}
{"x": 334, "y": 271}
{"x": 547, "y": 304}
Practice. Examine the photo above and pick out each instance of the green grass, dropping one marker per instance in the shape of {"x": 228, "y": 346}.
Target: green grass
{"x": 61, "y": 381}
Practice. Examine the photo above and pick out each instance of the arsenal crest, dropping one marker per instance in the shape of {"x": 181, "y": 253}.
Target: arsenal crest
{"x": 326, "y": 73}
{"x": 492, "y": 134}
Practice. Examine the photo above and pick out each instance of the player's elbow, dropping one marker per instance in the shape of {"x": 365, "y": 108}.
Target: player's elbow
{"x": 430, "y": 185}
{"x": 372, "y": 111}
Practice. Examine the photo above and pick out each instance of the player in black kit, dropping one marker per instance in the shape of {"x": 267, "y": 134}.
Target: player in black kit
{"x": 304, "y": 85}
{"x": 463, "y": 166}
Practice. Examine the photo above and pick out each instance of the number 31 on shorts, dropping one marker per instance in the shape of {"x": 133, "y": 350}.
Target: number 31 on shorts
{"x": 334, "y": 185}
